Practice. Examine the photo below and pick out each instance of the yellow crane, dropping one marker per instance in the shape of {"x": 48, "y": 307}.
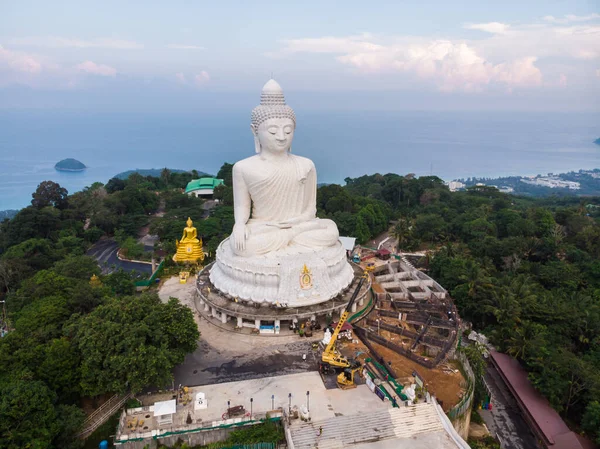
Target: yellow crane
{"x": 332, "y": 359}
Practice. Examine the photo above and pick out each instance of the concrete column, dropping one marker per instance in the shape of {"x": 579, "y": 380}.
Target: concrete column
{"x": 206, "y": 307}
{"x": 224, "y": 318}
{"x": 214, "y": 312}
{"x": 353, "y": 307}
{"x": 361, "y": 301}
{"x": 240, "y": 322}
{"x": 277, "y": 326}
{"x": 257, "y": 324}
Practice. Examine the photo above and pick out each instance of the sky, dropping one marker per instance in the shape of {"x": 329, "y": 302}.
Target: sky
{"x": 185, "y": 55}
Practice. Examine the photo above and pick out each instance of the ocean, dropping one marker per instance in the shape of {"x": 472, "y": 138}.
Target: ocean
{"x": 342, "y": 144}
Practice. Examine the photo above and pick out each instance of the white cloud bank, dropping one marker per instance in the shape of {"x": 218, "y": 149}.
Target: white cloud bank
{"x": 96, "y": 69}
{"x": 19, "y": 62}
{"x": 450, "y": 65}
{"x": 198, "y": 80}
{"x": 508, "y": 58}
{"x": 492, "y": 27}
{"x": 572, "y": 18}
{"x": 202, "y": 78}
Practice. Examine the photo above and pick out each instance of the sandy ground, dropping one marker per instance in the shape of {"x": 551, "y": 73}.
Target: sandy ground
{"x": 444, "y": 386}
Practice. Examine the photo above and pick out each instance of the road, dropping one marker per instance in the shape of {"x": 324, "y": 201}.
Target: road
{"x": 105, "y": 253}
{"x": 505, "y": 419}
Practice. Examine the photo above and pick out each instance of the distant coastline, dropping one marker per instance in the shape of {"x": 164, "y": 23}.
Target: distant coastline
{"x": 575, "y": 183}
{"x": 154, "y": 172}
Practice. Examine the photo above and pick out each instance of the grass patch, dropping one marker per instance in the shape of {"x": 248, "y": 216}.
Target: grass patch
{"x": 488, "y": 442}
{"x": 266, "y": 432}
{"x": 476, "y": 417}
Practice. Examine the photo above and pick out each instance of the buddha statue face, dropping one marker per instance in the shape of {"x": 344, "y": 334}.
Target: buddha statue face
{"x": 274, "y": 135}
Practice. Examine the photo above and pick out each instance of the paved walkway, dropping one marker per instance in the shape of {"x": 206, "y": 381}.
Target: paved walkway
{"x": 505, "y": 420}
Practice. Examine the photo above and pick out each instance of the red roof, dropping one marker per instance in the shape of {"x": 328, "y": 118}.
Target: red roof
{"x": 556, "y": 433}
{"x": 383, "y": 252}
{"x": 346, "y": 327}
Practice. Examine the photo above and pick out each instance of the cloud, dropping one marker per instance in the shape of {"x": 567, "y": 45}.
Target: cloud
{"x": 492, "y": 27}
{"x": 96, "y": 69}
{"x": 572, "y": 18}
{"x": 202, "y": 78}
{"x": 19, "y": 62}
{"x": 451, "y": 66}
{"x": 598, "y": 73}
{"x": 510, "y": 56}
{"x": 184, "y": 47}
{"x": 585, "y": 54}
{"x": 63, "y": 42}
{"x": 562, "y": 81}
{"x": 181, "y": 78}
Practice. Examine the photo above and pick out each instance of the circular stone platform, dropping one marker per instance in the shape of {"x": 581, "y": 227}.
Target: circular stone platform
{"x": 261, "y": 317}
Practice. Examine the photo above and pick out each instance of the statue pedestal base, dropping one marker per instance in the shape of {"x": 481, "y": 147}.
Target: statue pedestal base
{"x": 294, "y": 277}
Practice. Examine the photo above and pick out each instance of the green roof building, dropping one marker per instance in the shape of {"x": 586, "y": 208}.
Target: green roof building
{"x": 204, "y": 187}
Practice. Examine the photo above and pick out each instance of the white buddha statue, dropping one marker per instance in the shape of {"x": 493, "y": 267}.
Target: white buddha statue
{"x": 276, "y": 230}
{"x": 279, "y": 187}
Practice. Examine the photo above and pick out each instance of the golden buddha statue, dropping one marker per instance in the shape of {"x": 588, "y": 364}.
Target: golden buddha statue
{"x": 95, "y": 281}
{"x": 189, "y": 248}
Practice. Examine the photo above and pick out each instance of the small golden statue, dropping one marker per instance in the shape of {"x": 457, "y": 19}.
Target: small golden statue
{"x": 189, "y": 249}
{"x": 95, "y": 281}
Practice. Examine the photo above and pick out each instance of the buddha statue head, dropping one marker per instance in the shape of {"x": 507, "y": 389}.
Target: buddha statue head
{"x": 273, "y": 121}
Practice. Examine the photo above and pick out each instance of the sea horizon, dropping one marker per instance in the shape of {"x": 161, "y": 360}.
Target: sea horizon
{"x": 450, "y": 145}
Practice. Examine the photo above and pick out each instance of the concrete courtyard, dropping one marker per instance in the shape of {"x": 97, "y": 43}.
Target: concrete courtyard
{"x": 224, "y": 355}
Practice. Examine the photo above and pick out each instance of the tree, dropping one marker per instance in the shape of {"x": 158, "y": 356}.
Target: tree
{"x": 28, "y": 418}
{"x": 225, "y": 173}
{"x": 60, "y": 368}
{"x": 79, "y": 267}
{"x": 165, "y": 175}
{"x": 49, "y": 193}
{"x": 591, "y": 420}
{"x": 115, "y": 185}
{"x": 132, "y": 343}
{"x": 120, "y": 283}
{"x": 402, "y": 232}
{"x": 362, "y": 231}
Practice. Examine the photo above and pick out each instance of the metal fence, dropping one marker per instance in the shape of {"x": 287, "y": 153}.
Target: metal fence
{"x": 467, "y": 400}
{"x": 223, "y": 445}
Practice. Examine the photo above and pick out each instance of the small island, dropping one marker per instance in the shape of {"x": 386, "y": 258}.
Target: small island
{"x": 70, "y": 165}
{"x": 597, "y": 141}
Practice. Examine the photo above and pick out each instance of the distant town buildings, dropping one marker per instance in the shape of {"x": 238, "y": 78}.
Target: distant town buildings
{"x": 552, "y": 182}
{"x": 455, "y": 185}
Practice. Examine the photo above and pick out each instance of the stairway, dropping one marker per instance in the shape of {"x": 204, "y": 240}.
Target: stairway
{"x": 345, "y": 431}
{"x": 101, "y": 415}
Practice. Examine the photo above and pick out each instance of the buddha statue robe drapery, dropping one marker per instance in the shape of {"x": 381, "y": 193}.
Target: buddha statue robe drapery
{"x": 279, "y": 251}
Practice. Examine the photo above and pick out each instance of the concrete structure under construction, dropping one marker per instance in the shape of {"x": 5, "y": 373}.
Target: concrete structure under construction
{"x": 359, "y": 419}
{"x": 416, "y": 309}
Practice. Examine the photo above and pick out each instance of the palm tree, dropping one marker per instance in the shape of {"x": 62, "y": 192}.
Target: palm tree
{"x": 476, "y": 278}
{"x": 402, "y": 231}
